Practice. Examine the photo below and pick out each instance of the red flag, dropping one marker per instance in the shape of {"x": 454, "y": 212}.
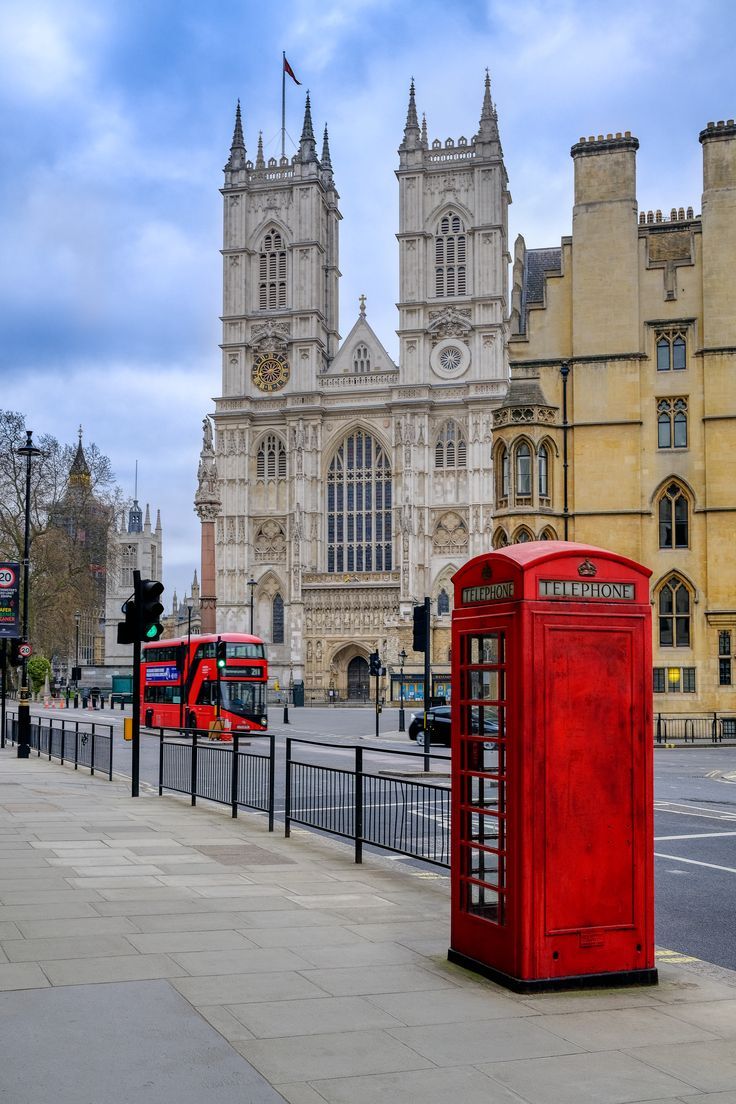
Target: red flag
{"x": 290, "y": 71}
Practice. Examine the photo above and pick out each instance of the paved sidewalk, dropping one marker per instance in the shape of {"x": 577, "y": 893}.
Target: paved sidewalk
{"x": 157, "y": 953}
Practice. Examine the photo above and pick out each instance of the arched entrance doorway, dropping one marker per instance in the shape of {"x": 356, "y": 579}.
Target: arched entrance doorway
{"x": 358, "y": 679}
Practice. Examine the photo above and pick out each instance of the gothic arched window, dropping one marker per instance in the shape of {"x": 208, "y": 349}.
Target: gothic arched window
{"x": 543, "y": 471}
{"x": 672, "y": 423}
{"x": 443, "y": 602}
{"x": 673, "y": 606}
{"x": 272, "y": 272}
{"x": 451, "y": 450}
{"x": 503, "y": 478}
{"x": 128, "y": 564}
{"x": 361, "y": 359}
{"x": 359, "y": 504}
{"x": 500, "y": 539}
{"x": 277, "y": 620}
{"x": 523, "y": 471}
{"x": 673, "y": 512}
{"x": 271, "y": 459}
{"x": 449, "y": 257}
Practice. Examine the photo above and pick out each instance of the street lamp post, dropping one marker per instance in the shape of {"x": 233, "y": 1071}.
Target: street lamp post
{"x": 251, "y": 584}
{"x": 24, "y": 707}
{"x": 77, "y": 619}
{"x": 402, "y": 661}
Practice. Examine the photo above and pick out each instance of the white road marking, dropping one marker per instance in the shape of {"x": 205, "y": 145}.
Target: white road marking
{"x": 695, "y": 862}
{"x": 677, "y": 808}
{"x": 696, "y": 835}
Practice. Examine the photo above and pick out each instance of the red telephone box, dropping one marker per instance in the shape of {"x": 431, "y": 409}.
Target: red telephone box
{"x": 552, "y": 797}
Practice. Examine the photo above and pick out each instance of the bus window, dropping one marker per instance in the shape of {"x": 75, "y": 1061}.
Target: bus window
{"x": 243, "y": 698}
{"x": 207, "y": 693}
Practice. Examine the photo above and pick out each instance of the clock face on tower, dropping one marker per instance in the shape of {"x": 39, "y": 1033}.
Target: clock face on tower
{"x": 270, "y": 371}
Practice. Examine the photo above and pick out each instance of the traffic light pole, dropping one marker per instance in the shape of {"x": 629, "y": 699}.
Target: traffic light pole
{"x": 135, "y": 761}
{"x": 378, "y": 679}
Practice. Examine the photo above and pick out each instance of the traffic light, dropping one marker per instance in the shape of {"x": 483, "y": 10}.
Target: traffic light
{"x": 142, "y": 612}
{"x": 14, "y": 659}
{"x": 148, "y": 608}
{"x": 374, "y": 664}
{"x": 128, "y": 629}
{"x": 419, "y": 642}
{"x": 221, "y": 654}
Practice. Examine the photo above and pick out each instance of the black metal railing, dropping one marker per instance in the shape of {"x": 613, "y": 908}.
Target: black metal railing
{"x": 83, "y": 743}
{"x": 395, "y": 812}
{"x": 231, "y": 774}
{"x": 693, "y": 727}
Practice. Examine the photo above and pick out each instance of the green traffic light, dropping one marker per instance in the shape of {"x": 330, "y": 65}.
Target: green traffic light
{"x": 152, "y": 632}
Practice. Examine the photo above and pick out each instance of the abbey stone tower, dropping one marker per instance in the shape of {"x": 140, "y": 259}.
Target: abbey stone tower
{"x": 339, "y": 488}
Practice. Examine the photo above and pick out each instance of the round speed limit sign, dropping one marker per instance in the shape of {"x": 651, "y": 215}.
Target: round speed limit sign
{"x": 8, "y": 577}
{"x": 25, "y": 650}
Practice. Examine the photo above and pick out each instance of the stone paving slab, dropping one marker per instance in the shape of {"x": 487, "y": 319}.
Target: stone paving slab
{"x": 119, "y": 1043}
{"x": 328, "y": 980}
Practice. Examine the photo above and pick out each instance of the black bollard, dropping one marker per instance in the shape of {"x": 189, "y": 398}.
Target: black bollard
{"x": 286, "y": 714}
{"x": 76, "y": 701}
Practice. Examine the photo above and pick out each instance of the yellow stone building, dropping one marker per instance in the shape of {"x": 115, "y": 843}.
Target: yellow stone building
{"x": 619, "y": 426}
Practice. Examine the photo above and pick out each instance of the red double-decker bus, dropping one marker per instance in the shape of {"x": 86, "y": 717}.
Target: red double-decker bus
{"x": 182, "y": 685}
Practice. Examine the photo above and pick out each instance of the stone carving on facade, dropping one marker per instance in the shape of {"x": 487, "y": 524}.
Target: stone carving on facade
{"x": 207, "y": 511}
{"x": 298, "y": 527}
{"x": 270, "y": 337}
{"x": 450, "y": 322}
{"x": 450, "y": 534}
{"x": 520, "y": 415}
{"x": 207, "y": 498}
{"x": 270, "y": 542}
{"x": 272, "y": 201}
{"x": 231, "y": 531}
{"x": 406, "y": 526}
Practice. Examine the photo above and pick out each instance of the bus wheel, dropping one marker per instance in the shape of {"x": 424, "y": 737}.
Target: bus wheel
{"x": 149, "y": 718}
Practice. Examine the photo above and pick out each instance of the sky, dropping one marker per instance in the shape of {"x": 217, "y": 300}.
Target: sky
{"x": 117, "y": 118}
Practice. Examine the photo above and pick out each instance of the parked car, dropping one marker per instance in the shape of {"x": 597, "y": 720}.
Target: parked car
{"x": 439, "y": 721}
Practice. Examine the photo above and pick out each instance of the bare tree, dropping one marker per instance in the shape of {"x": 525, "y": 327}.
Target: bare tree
{"x": 71, "y": 516}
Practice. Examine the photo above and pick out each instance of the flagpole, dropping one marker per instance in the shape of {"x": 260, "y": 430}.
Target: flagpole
{"x": 283, "y": 103}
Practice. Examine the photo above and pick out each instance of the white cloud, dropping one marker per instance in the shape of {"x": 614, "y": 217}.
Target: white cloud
{"x": 47, "y": 48}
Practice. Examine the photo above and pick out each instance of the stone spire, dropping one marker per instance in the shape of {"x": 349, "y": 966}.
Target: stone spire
{"x": 237, "y": 149}
{"x": 412, "y": 134}
{"x": 158, "y": 521}
{"x": 307, "y": 144}
{"x": 488, "y": 128}
{"x": 425, "y": 140}
{"x": 326, "y": 162}
{"x": 147, "y": 520}
{"x": 260, "y": 160}
{"x": 79, "y": 473}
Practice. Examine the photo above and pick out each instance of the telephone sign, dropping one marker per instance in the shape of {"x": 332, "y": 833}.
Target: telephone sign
{"x": 9, "y": 600}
